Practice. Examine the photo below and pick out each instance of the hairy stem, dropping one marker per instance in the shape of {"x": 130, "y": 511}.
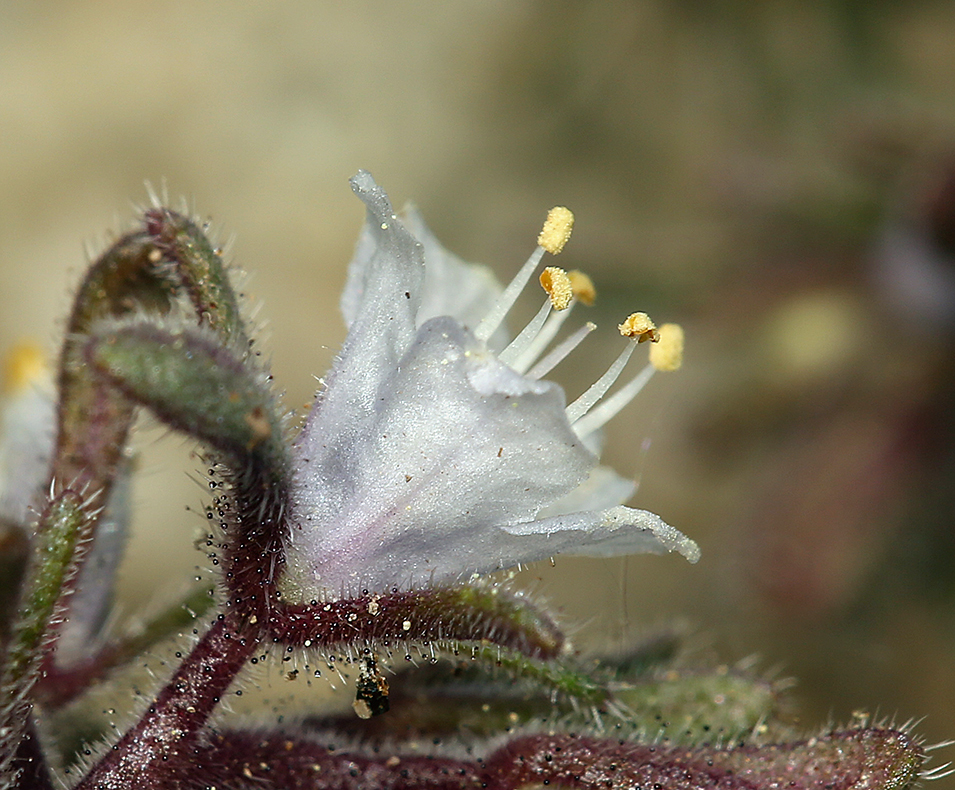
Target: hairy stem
{"x": 28, "y": 769}
{"x": 434, "y": 615}
{"x": 93, "y": 421}
{"x": 144, "y": 271}
{"x": 161, "y": 744}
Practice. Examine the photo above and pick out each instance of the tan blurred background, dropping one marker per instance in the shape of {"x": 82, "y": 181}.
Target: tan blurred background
{"x": 776, "y": 176}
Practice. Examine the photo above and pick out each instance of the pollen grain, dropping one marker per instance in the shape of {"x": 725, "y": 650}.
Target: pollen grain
{"x": 583, "y": 286}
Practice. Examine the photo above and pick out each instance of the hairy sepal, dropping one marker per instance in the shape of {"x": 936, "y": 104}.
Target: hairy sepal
{"x": 194, "y": 383}
{"x": 200, "y": 270}
{"x": 439, "y": 616}
{"x": 488, "y": 690}
{"x": 55, "y": 560}
{"x": 861, "y": 759}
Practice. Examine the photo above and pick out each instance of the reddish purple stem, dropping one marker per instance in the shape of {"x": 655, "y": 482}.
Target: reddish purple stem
{"x": 161, "y": 746}
{"x": 436, "y": 614}
{"x": 847, "y": 760}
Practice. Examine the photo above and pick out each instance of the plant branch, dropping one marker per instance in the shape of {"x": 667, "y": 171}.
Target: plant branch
{"x": 161, "y": 745}
{"x": 436, "y": 615}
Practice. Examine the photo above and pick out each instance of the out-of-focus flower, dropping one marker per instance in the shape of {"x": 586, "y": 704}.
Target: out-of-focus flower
{"x": 427, "y": 456}
{"x": 27, "y": 420}
{"x": 27, "y": 428}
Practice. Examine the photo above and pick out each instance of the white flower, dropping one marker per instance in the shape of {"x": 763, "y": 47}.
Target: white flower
{"x": 426, "y": 456}
{"x": 27, "y": 420}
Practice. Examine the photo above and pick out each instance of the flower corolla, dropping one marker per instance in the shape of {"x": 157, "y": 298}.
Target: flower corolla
{"x": 432, "y": 453}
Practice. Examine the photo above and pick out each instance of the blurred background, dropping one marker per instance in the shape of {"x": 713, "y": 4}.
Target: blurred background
{"x": 778, "y": 177}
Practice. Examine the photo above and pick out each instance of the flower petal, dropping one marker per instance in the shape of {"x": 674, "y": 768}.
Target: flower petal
{"x": 602, "y": 489}
{"x": 382, "y": 299}
{"x": 605, "y": 533}
{"x": 454, "y": 445}
{"x": 452, "y": 286}
{"x": 26, "y": 444}
{"x": 426, "y": 458}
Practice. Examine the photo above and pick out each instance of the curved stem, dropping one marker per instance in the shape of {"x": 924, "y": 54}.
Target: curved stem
{"x": 434, "y": 615}
{"x": 161, "y": 745}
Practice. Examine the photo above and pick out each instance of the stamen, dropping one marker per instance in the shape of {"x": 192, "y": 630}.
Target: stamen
{"x": 667, "y": 354}
{"x": 552, "y": 238}
{"x": 556, "y": 283}
{"x": 583, "y": 287}
{"x": 556, "y": 230}
{"x": 520, "y": 343}
{"x": 603, "y": 413}
{"x": 555, "y": 357}
{"x": 505, "y": 302}
{"x": 639, "y": 326}
{"x": 548, "y": 332}
{"x": 599, "y": 388}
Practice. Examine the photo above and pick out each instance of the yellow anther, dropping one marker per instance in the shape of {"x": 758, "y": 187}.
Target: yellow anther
{"x": 557, "y": 228}
{"x": 583, "y": 287}
{"x": 667, "y": 355}
{"x": 555, "y": 281}
{"x": 24, "y": 366}
{"x": 640, "y": 326}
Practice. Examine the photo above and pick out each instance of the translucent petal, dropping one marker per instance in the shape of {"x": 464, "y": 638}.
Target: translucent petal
{"x": 454, "y": 445}
{"x": 382, "y": 298}
{"x": 602, "y": 489}
{"x": 452, "y": 286}
{"x": 605, "y": 533}
{"x": 426, "y": 458}
{"x": 26, "y": 444}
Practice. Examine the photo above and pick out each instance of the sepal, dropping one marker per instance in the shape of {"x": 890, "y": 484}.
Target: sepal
{"x": 191, "y": 381}
{"x": 443, "y": 616}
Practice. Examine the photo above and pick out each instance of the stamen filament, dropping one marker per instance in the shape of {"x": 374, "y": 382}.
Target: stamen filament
{"x": 505, "y": 302}
{"x": 603, "y": 413}
{"x": 520, "y": 343}
{"x": 599, "y": 388}
{"x": 550, "y": 329}
{"x": 555, "y": 357}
